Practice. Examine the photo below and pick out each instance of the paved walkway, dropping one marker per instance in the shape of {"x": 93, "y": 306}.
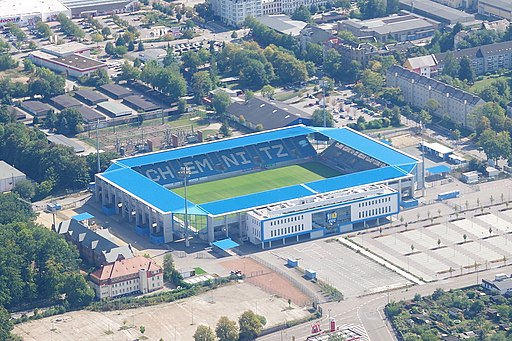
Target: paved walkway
{"x": 381, "y": 261}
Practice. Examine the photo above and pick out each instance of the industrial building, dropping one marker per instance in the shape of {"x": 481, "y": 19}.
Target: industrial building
{"x": 437, "y": 11}
{"x": 28, "y": 12}
{"x": 74, "y": 65}
{"x": 36, "y": 108}
{"x": 114, "y": 109}
{"x": 115, "y": 91}
{"x": 496, "y": 8}
{"x": 67, "y": 49}
{"x": 62, "y": 102}
{"x": 80, "y": 8}
{"x": 374, "y": 180}
{"x": 394, "y": 27}
{"x": 9, "y": 176}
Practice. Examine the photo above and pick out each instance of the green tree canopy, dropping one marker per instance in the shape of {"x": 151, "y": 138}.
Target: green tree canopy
{"x": 251, "y": 325}
{"x": 226, "y": 329}
{"x": 204, "y": 333}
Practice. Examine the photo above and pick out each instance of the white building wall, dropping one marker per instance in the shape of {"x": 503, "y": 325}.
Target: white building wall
{"x": 285, "y": 226}
{"x": 143, "y": 283}
{"x": 8, "y": 183}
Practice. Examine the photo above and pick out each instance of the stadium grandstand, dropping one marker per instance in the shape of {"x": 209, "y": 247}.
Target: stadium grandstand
{"x": 269, "y": 188}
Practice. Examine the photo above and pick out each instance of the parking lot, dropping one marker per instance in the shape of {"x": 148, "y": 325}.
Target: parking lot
{"x": 348, "y": 271}
{"x": 452, "y": 244}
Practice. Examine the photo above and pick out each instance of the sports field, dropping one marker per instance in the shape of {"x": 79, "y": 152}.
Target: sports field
{"x": 257, "y": 182}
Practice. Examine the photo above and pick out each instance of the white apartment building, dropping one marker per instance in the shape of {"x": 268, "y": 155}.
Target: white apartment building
{"x": 126, "y": 277}
{"x": 234, "y": 12}
{"x": 457, "y": 104}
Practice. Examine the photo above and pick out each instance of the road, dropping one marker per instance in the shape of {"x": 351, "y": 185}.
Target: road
{"x": 368, "y": 310}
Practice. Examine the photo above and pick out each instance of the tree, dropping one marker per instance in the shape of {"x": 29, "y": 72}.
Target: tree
{"x": 109, "y": 48}
{"x": 302, "y": 13}
{"x": 221, "y": 102}
{"x": 78, "y": 292}
{"x": 432, "y": 106}
{"x": 28, "y": 66}
{"x": 495, "y": 145}
{"x": 466, "y": 72}
{"x": 7, "y": 62}
{"x": 128, "y": 72}
{"x": 105, "y": 31}
{"x": 224, "y": 129}
{"x": 140, "y": 46}
{"x": 168, "y": 267}
{"x": 317, "y": 119}
{"x": 201, "y": 85}
{"x": 226, "y": 329}
{"x": 372, "y": 82}
{"x": 204, "y": 333}
{"x": 25, "y": 189}
{"x": 268, "y": 91}
{"x": 97, "y": 38}
{"x": 451, "y": 65}
{"x": 234, "y": 35}
{"x": 372, "y": 8}
{"x": 182, "y": 105}
{"x": 5, "y": 324}
{"x": 254, "y": 74}
{"x": 251, "y": 325}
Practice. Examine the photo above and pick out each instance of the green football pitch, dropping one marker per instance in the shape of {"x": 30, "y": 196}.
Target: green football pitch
{"x": 256, "y": 182}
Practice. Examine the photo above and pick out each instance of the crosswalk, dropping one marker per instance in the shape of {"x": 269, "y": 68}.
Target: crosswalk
{"x": 348, "y": 331}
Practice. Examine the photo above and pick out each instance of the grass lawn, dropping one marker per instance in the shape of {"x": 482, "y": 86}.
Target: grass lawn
{"x": 257, "y": 182}
{"x": 484, "y": 83}
{"x": 199, "y": 271}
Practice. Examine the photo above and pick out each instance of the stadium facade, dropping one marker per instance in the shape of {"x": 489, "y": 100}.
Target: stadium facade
{"x": 372, "y": 180}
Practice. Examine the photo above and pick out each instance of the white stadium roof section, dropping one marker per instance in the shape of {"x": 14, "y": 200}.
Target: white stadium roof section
{"x": 13, "y": 8}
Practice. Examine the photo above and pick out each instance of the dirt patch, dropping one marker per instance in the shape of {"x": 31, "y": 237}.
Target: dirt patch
{"x": 403, "y": 141}
{"x": 267, "y": 280}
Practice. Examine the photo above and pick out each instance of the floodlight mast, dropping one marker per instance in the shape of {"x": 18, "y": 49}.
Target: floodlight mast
{"x": 185, "y": 173}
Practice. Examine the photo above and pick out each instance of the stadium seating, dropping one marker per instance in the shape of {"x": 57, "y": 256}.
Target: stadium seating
{"x": 232, "y": 160}
{"x": 345, "y": 159}
{"x": 305, "y": 148}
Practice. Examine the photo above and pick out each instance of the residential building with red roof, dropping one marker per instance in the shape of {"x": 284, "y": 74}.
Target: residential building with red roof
{"x": 126, "y": 277}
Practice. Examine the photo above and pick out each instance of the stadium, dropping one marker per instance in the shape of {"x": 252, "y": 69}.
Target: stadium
{"x": 270, "y": 188}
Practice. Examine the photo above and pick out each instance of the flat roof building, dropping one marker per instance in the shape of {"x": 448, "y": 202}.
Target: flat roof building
{"x": 282, "y": 24}
{"x": 395, "y": 27}
{"x": 115, "y": 91}
{"x": 496, "y": 8}
{"x": 267, "y": 114}
{"x": 9, "y": 176}
{"x": 90, "y": 97}
{"x": 28, "y": 12}
{"x": 36, "y": 108}
{"x": 67, "y": 49}
{"x": 114, "y": 109}
{"x": 436, "y": 11}
{"x": 62, "y": 102}
{"x": 64, "y": 141}
{"x": 90, "y": 115}
{"x": 80, "y": 8}
{"x": 74, "y": 65}
{"x": 140, "y": 104}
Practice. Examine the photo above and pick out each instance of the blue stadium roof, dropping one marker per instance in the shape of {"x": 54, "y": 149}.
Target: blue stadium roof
{"x": 121, "y": 175}
{"x": 225, "y": 244}
{"x": 149, "y": 191}
{"x": 370, "y": 147}
{"x": 210, "y": 147}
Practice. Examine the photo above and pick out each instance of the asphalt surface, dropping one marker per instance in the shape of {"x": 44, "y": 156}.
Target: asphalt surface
{"x": 368, "y": 310}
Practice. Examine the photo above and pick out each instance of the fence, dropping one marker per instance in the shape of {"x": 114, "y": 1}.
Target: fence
{"x": 302, "y": 288}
